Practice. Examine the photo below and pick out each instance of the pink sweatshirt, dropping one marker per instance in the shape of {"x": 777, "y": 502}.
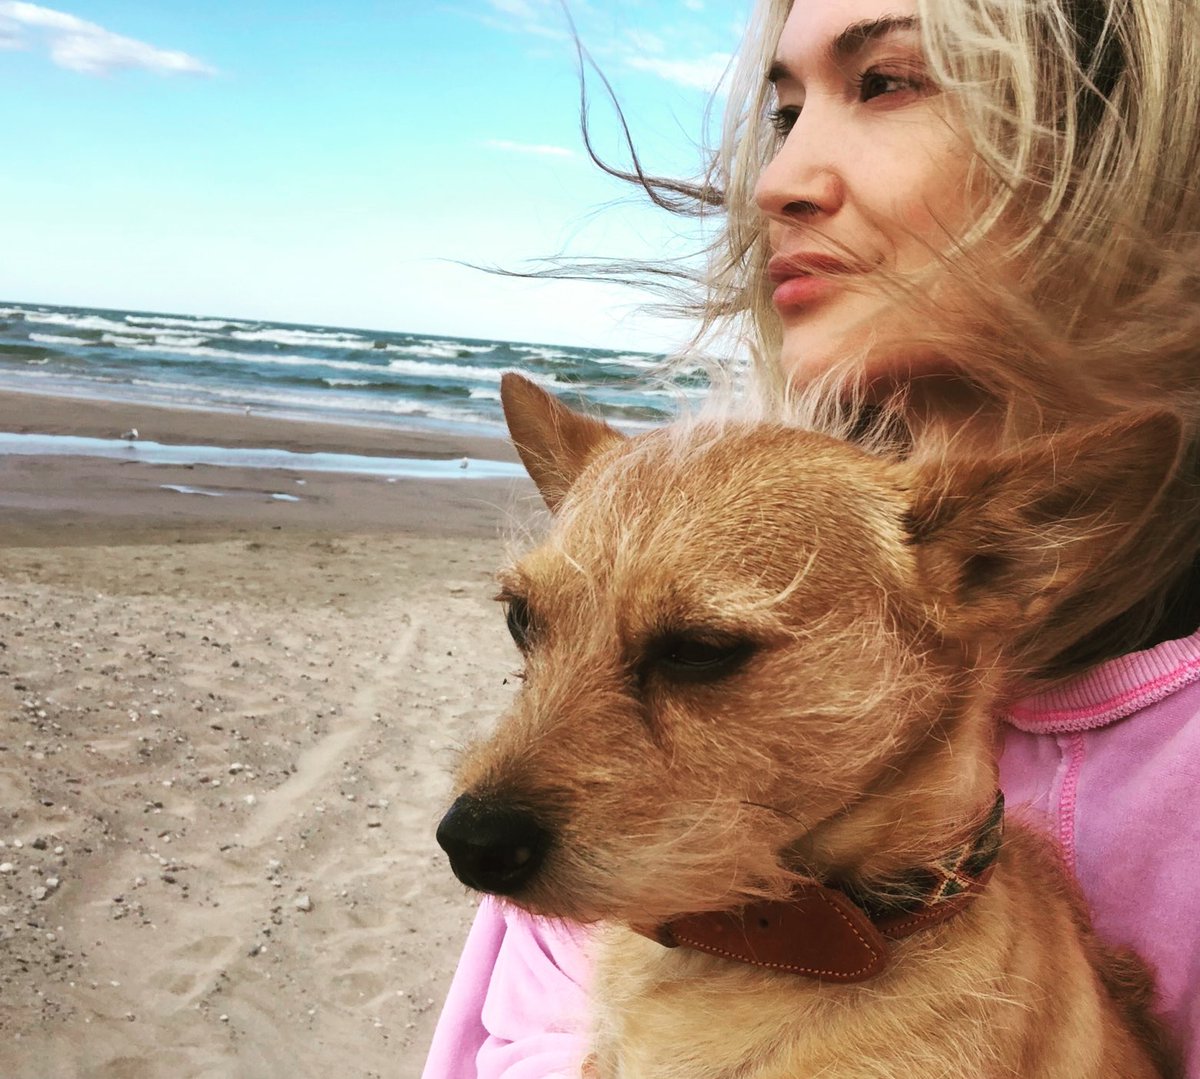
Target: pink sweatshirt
{"x": 1110, "y": 762}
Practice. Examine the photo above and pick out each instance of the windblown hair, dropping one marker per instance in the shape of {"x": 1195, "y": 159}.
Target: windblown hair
{"x": 1083, "y": 120}
{"x": 1082, "y": 125}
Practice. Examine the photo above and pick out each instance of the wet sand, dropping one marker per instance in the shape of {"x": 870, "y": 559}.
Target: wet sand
{"x": 27, "y": 412}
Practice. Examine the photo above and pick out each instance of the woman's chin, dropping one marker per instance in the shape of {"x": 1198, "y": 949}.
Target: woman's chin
{"x": 836, "y": 345}
{"x": 860, "y": 373}
{"x": 812, "y": 360}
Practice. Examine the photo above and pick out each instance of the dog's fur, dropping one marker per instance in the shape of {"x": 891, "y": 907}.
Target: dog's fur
{"x": 867, "y": 607}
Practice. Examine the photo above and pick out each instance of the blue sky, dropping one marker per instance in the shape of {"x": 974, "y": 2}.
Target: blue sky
{"x": 325, "y": 161}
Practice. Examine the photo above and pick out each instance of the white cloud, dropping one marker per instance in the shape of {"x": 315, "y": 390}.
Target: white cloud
{"x": 529, "y": 148}
{"x": 10, "y": 33}
{"x": 674, "y": 51}
{"x": 83, "y": 46}
{"x": 541, "y": 18}
{"x": 703, "y": 73}
{"x": 521, "y": 9}
{"x": 644, "y": 41}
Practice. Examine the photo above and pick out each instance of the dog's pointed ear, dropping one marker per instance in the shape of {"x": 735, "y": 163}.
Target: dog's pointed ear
{"x": 554, "y": 442}
{"x": 1003, "y": 541}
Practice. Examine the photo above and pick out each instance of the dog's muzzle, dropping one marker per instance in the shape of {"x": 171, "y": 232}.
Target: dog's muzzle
{"x": 492, "y": 847}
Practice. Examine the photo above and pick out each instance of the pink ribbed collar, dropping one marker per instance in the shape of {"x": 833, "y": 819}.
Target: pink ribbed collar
{"x": 1111, "y": 691}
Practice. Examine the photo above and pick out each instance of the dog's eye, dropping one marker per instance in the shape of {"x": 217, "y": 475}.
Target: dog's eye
{"x": 520, "y": 622}
{"x": 702, "y": 657}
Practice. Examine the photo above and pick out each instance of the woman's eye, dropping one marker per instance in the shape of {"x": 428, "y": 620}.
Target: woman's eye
{"x": 872, "y": 84}
{"x": 520, "y": 622}
{"x": 783, "y": 119}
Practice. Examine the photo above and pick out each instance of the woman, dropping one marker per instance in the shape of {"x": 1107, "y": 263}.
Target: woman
{"x": 974, "y": 217}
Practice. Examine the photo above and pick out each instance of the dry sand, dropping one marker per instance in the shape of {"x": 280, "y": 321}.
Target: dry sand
{"x": 226, "y": 732}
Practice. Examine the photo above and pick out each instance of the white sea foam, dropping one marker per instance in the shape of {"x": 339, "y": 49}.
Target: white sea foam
{"x": 186, "y": 323}
{"x": 349, "y": 382}
{"x": 302, "y": 338}
{"x": 440, "y": 350}
{"x": 309, "y": 361}
{"x": 222, "y": 355}
{"x": 436, "y": 352}
{"x": 168, "y": 340}
{"x": 394, "y": 407}
{"x": 480, "y": 394}
{"x": 57, "y": 339}
{"x": 202, "y": 351}
{"x": 322, "y": 401}
{"x": 78, "y": 322}
{"x": 541, "y": 352}
{"x": 642, "y": 363}
{"x": 147, "y": 333}
{"x": 459, "y": 346}
{"x": 458, "y": 371}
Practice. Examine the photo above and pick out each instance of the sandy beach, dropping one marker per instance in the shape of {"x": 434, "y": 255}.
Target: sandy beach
{"x": 227, "y": 726}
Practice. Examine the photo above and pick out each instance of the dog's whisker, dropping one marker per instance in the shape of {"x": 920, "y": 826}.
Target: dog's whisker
{"x": 773, "y": 809}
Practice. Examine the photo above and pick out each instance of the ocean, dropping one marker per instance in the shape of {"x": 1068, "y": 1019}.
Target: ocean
{"x": 332, "y": 373}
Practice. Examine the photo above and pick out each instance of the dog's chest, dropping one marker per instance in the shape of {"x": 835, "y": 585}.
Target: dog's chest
{"x": 677, "y": 1014}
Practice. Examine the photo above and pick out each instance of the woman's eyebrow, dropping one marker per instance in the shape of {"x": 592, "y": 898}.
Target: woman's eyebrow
{"x": 851, "y": 41}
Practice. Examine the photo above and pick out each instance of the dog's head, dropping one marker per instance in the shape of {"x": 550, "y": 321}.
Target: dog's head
{"x": 756, "y": 651}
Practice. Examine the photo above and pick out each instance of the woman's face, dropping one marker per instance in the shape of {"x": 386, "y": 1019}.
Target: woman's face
{"x": 870, "y": 174}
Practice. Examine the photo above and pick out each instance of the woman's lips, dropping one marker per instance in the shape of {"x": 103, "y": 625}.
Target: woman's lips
{"x": 804, "y": 279}
{"x": 801, "y": 291}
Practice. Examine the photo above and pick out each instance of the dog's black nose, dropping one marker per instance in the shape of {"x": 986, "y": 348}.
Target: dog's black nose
{"x": 492, "y": 847}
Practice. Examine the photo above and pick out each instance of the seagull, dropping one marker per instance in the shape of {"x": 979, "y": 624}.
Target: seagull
{"x": 130, "y": 435}
{"x": 464, "y": 462}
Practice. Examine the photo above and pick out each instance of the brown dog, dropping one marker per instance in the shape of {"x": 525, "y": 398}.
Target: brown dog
{"x": 756, "y": 741}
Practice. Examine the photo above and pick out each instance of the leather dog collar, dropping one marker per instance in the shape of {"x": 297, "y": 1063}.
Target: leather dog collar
{"x": 822, "y": 932}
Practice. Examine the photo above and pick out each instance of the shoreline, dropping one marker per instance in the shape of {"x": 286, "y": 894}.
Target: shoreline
{"x": 22, "y": 412}
{"x": 57, "y": 500}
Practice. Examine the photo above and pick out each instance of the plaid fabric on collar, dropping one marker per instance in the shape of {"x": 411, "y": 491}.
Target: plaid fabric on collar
{"x": 960, "y": 872}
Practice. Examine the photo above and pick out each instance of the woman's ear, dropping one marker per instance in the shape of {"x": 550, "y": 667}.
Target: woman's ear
{"x": 1002, "y": 541}
{"x": 554, "y": 442}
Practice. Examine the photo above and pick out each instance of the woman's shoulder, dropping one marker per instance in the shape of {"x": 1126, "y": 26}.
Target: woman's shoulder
{"x": 1151, "y": 683}
{"x": 1111, "y": 760}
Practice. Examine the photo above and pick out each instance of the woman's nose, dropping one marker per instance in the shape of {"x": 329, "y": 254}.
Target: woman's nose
{"x": 803, "y": 181}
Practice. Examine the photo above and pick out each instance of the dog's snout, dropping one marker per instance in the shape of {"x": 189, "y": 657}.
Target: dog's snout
{"x": 492, "y": 847}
